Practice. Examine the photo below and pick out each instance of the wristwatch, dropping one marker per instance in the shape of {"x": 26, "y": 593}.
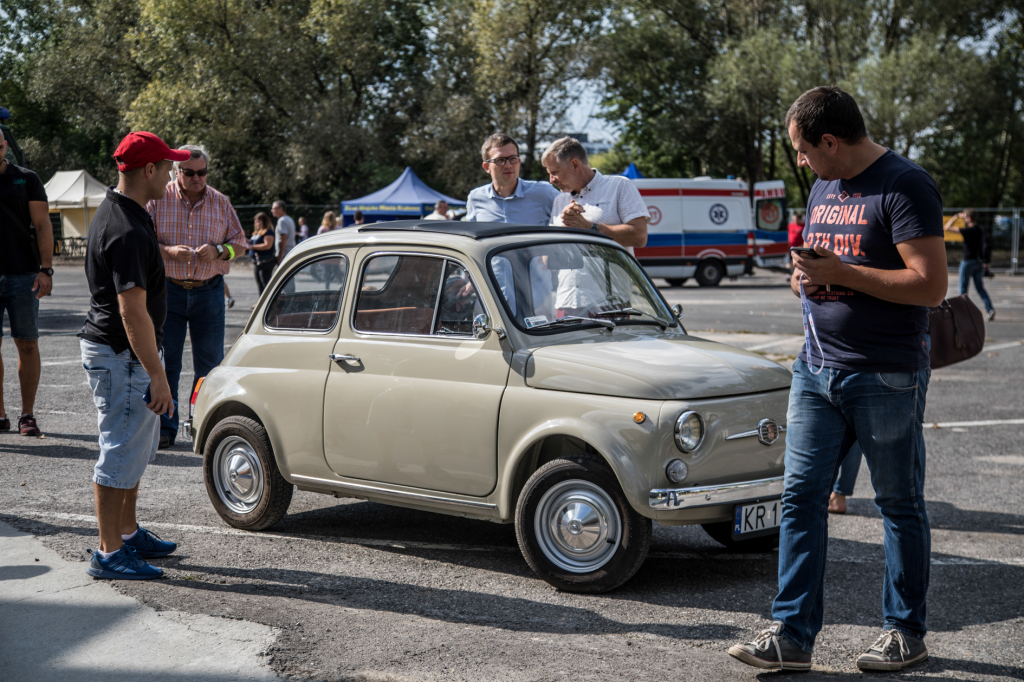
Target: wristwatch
{"x": 47, "y": 271}
{"x": 594, "y": 227}
{"x": 220, "y": 250}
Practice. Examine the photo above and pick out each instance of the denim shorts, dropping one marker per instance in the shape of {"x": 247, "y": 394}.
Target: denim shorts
{"x": 129, "y": 431}
{"x": 21, "y": 304}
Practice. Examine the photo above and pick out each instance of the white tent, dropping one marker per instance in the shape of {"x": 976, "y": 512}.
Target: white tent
{"x": 75, "y": 195}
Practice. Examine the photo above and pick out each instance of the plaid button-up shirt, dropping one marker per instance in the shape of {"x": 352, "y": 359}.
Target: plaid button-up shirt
{"x": 211, "y": 220}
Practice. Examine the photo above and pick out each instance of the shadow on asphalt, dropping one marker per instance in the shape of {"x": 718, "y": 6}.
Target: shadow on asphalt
{"x": 945, "y": 516}
{"x": 929, "y": 671}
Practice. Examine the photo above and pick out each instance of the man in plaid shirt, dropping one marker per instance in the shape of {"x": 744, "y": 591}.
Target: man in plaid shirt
{"x": 199, "y": 234}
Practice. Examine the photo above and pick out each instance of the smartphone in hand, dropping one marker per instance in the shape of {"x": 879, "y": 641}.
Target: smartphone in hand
{"x": 804, "y": 252}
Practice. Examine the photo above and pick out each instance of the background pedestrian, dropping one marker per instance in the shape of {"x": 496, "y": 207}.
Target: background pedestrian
{"x": 976, "y": 256}
{"x": 796, "y": 230}
{"x": 199, "y": 233}
{"x": 26, "y": 254}
{"x": 284, "y": 233}
{"x": 303, "y": 232}
{"x": 120, "y": 343}
{"x": 440, "y": 211}
{"x": 328, "y": 224}
{"x": 261, "y": 250}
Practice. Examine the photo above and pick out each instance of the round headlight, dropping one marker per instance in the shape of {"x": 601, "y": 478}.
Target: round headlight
{"x": 676, "y": 471}
{"x": 689, "y": 431}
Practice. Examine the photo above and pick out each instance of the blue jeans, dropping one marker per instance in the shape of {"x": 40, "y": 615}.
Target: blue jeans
{"x": 21, "y": 304}
{"x": 848, "y": 472}
{"x": 201, "y": 312}
{"x": 827, "y": 413}
{"x": 974, "y": 270}
{"x": 129, "y": 431}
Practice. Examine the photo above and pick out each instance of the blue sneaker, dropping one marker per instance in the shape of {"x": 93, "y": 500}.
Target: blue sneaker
{"x": 123, "y": 564}
{"x": 149, "y": 545}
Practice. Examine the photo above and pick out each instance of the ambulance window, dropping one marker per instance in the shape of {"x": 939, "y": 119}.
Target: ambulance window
{"x": 770, "y": 213}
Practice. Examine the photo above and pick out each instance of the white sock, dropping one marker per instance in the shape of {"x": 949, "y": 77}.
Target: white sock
{"x": 129, "y": 537}
{"x": 106, "y": 555}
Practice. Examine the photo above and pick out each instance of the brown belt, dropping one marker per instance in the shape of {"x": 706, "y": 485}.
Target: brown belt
{"x": 189, "y": 283}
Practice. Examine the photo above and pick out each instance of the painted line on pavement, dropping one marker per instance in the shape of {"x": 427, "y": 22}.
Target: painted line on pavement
{"x": 984, "y": 422}
{"x": 404, "y": 544}
{"x": 1001, "y": 346}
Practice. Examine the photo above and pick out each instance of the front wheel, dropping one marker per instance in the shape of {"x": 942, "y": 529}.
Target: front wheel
{"x": 576, "y": 528}
{"x": 242, "y": 478}
{"x": 676, "y": 281}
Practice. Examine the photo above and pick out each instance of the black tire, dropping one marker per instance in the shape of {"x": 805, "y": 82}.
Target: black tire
{"x": 721, "y": 532}
{"x": 709, "y": 272}
{"x": 584, "y": 478}
{"x": 256, "y": 496}
{"x": 676, "y": 281}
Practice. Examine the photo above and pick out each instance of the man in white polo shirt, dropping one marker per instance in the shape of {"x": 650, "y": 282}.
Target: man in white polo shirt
{"x": 610, "y": 204}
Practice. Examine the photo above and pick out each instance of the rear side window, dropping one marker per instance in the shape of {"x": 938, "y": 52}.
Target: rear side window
{"x": 310, "y": 298}
{"x": 399, "y": 294}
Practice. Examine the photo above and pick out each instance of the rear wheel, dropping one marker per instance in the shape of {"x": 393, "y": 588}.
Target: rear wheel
{"x": 242, "y": 479}
{"x": 710, "y": 272}
{"x": 676, "y": 281}
{"x": 576, "y": 528}
{"x": 721, "y": 532}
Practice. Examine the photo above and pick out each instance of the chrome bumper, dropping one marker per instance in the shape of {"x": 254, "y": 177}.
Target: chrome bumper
{"x": 712, "y": 495}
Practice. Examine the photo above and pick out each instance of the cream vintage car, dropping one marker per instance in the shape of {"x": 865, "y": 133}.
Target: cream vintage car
{"x": 502, "y": 372}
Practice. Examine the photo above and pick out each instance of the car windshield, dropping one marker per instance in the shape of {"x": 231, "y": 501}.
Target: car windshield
{"x": 566, "y": 285}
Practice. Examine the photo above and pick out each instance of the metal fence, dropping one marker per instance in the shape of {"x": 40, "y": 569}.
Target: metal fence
{"x": 1002, "y": 228}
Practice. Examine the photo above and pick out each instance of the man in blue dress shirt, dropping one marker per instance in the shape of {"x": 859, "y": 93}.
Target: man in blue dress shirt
{"x": 507, "y": 198}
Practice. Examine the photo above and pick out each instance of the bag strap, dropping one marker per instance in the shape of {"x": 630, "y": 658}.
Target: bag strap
{"x": 26, "y": 233}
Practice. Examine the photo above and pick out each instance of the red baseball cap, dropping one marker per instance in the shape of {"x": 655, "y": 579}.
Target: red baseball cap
{"x": 138, "y": 149}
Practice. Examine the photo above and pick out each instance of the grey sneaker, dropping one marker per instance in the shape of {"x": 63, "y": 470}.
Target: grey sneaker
{"x": 772, "y": 652}
{"x": 991, "y": 315}
{"x": 893, "y": 650}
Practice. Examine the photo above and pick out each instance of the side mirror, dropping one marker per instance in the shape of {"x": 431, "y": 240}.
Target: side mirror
{"x": 677, "y": 310}
{"x": 482, "y": 327}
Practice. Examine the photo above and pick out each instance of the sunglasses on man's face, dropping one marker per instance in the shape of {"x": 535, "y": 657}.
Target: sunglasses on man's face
{"x": 188, "y": 172}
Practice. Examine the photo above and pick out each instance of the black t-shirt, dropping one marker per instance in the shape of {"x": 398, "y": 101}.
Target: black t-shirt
{"x": 862, "y": 220}
{"x": 18, "y": 186}
{"x": 974, "y": 243}
{"x": 122, "y": 253}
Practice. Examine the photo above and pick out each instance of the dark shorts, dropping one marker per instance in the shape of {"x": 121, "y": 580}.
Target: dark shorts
{"x": 21, "y": 305}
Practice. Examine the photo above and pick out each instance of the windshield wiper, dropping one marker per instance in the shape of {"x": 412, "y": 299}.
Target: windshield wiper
{"x": 574, "y": 320}
{"x": 633, "y": 311}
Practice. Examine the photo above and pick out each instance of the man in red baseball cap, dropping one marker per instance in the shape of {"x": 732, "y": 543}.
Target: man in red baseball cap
{"x": 121, "y": 350}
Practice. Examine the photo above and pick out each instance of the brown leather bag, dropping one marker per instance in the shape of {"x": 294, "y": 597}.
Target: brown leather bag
{"x": 957, "y": 328}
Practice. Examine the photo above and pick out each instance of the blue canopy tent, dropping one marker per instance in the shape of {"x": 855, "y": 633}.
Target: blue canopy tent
{"x": 407, "y": 197}
{"x": 631, "y": 172}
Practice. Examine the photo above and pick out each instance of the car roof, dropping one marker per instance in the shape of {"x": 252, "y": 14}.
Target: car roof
{"x": 472, "y": 230}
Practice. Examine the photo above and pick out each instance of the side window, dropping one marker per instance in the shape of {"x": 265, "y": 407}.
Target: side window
{"x": 769, "y": 214}
{"x": 311, "y": 297}
{"x": 459, "y": 302}
{"x": 399, "y": 294}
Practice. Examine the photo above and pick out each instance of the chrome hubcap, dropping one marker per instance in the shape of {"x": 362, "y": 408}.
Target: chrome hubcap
{"x": 577, "y": 526}
{"x": 238, "y": 475}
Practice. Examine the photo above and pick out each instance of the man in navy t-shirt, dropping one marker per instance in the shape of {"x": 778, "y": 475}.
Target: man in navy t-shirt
{"x": 874, "y": 220}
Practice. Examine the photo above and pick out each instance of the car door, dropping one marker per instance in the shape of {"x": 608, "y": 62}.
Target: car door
{"x": 285, "y": 354}
{"x": 413, "y": 398}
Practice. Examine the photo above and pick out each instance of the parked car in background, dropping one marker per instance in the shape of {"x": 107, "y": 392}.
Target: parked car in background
{"x": 516, "y": 374}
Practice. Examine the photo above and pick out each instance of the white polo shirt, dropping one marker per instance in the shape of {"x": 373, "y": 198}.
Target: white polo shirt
{"x": 609, "y": 200}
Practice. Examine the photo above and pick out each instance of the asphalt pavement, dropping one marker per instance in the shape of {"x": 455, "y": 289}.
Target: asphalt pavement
{"x": 351, "y": 590}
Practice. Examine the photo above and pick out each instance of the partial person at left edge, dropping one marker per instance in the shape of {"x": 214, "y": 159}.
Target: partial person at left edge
{"x": 26, "y": 275}
{"x": 121, "y": 341}
{"x": 199, "y": 234}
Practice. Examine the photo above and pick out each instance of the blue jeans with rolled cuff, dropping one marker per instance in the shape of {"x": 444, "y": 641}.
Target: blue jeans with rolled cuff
{"x": 828, "y": 412}
{"x": 200, "y": 312}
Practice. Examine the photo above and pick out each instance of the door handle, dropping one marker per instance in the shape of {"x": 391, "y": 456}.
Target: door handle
{"x": 351, "y": 359}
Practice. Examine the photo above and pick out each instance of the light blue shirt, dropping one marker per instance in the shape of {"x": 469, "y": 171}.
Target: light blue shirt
{"x": 530, "y": 204}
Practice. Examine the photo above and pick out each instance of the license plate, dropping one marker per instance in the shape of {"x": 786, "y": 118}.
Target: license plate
{"x": 775, "y": 261}
{"x": 754, "y": 520}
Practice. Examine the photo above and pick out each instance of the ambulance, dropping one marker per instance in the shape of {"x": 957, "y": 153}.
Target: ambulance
{"x": 704, "y": 228}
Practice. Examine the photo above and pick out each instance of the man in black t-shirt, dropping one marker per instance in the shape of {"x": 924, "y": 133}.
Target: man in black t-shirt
{"x": 874, "y": 223}
{"x": 120, "y": 343}
{"x": 26, "y": 254}
{"x": 974, "y": 262}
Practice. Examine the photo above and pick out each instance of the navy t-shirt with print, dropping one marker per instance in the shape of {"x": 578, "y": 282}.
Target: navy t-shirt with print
{"x": 863, "y": 219}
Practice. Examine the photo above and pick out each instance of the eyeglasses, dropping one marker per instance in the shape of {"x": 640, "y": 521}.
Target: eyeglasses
{"x": 188, "y": 172}
{"x": 502, "y": 160}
